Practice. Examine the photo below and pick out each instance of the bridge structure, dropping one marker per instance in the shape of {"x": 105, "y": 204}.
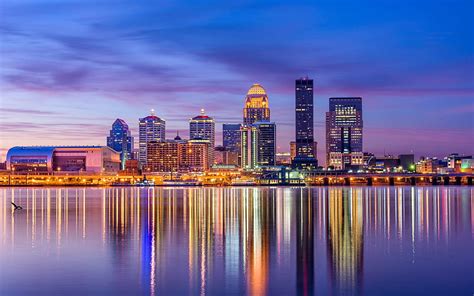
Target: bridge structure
{"x": 328, "y": 178}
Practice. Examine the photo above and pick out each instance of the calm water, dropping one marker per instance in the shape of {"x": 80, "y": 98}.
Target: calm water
{"x": 279, "y": 241}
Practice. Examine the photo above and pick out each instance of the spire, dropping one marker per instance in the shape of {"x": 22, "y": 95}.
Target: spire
{"x": 202, "y": 112}
{"x": 177, "y": 138}
{"x": 152, "y": 111}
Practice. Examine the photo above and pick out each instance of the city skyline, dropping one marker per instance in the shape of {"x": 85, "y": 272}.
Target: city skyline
{"x": 414, "y": 74}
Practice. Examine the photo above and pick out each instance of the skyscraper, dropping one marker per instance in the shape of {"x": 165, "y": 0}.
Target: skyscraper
{"x": 305, "y": 154}
{"x": 258, "y": 145}
{"x": 151, "y": 128}
{"x": 256, "y": 105}
{"x": 121, "y": 140}
{"x": 258, "y": 134}
{"x": 202, "y": 127}
{"x": 231, "y": 136}
{"x": 344, "y": 132}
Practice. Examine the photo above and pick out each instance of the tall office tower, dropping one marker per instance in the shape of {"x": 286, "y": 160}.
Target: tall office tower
{"x": 344, "y": 132}
{"x": 305, "y": 154}
{"x": 231, "y": 136}
{"x": 258, "y": 145}
{"x": 256, "y": 105}
{"x": 202, "y": 127}
{"x": 151, "y": 128}
{"x": 121, "y": 141}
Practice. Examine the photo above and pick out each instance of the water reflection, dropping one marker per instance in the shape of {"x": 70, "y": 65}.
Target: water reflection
{"x": 236, "y": 240}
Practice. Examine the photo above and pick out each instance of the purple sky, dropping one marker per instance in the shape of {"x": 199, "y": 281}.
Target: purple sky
{"x": 69, "y": 68}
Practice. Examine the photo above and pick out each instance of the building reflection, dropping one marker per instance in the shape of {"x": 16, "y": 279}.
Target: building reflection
{"x": 305, "y": 242}
{"x": 240, "y": 240}
{"x": 345, "y": 245}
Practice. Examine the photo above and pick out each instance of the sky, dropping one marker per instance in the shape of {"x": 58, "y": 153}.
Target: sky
{"x": 68, "y": 69}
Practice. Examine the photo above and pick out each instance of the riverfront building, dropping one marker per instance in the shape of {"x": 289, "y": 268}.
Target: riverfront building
{"x": 256, "y": 105}
{"x": 258, "y": 145}
{"x": 70, "y": 159}
{"x": 121, "y": 140}
{"x": 258, "y": 134}
{"x": 305, "y": 154}
{"x": 202, "y": 127}
{"x": 344, "y": 132}
{"x": 151, "y": 128}
{"x": 177, "y": 156}
{"x": 231, "y": 136}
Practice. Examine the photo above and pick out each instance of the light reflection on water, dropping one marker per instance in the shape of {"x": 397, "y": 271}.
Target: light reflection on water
{"x": 339, "y": 241}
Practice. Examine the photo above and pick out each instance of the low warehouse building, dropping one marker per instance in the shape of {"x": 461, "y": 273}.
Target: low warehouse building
{"x": 90, "y": 159}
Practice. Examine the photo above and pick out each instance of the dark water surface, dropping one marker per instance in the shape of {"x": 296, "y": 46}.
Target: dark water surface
{"x": 278, "y": 241}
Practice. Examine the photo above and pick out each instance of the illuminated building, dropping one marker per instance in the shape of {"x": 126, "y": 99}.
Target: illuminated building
{"x": 459, "y": 163}
{"x": 258, "y": 134}
{"x": 341, "y": 161}
{"x": 224, "y": 156}
{"x": 283, "y": 158}
{"x": 91, "y": 159}
{"x": 427, "y": 165}
{"x": 177, "y": 156}
{"x": 231, "y": 136}
{"x": 258, "y": 145}
{"x": 343, "y": 131}
{"x": 202, "y": 127}
{"x": 256, "y": 105}
{"x": 151, "y": 128}
{"x": 121, "y": 140}
{"x": 305, "y": 157}
{"x": 293, "y": 149}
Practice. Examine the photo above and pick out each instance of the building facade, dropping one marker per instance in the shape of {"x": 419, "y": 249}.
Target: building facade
{"x": 256, "y": 105}
{"x": 177, "y": 156}
{"x": 70, "y": 159}
{"x": 231, "y": 136}
{"x": 202, "y": 127}
{"x": 120, "y": 140}
{"x": 343, "y": 129}
{"x": 151, "y": 128}
{"x": 306, "y": 155}
{"x": 293, "y": 149}
{"x": 258, "y": 145}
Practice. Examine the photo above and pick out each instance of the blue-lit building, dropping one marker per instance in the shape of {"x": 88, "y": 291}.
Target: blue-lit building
{"x": 231, "y": 136}
{"x": 121, "y": 140}
{"x": 70, "y": 159}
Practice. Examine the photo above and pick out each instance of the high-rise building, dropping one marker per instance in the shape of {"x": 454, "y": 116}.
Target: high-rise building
{"x": 256, "y": 105}
{"x": 231, "y": 136}
{"x": 151, "y": 128}
{"x": 258, "y": 145}
{"x": 258, "y": 134}
{"x": 305, "y": 154}
{"x": 121, "y": 140}
{"x": 177, "y": 156}
{"x": 202, "y": 127}
{"x": 344, "y": 132}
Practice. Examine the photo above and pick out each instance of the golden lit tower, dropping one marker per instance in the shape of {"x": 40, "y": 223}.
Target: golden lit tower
{"x": 256, "y": 105}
